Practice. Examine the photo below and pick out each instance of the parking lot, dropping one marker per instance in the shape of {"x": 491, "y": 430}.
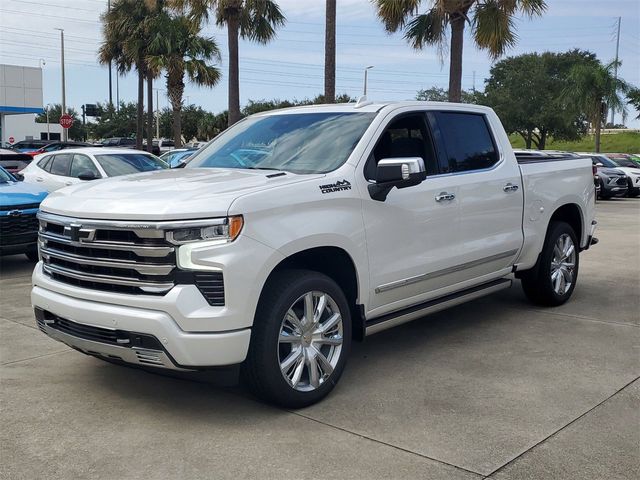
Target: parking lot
{"x": 494, "y": 388}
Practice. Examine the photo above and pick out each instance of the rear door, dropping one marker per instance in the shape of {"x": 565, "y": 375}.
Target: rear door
{"x": 59, "y": 171}
{"x": 489, "y": 192}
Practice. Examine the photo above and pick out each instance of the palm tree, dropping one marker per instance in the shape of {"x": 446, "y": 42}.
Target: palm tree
{"x": 254, "y": 20}
{"x": 126, "y": 29}
{"x": 491, "y": 21}
{"x": 178, "y": 49}
{"x": 595, "y": 87}
{"x": 330, "y": 52}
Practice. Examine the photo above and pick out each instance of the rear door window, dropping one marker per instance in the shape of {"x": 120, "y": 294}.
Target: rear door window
{"x": 465, "y": 141}
{"x": 61, "y": 164}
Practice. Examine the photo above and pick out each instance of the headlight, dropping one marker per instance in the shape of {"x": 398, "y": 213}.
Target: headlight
{"x": 226, "y": 229}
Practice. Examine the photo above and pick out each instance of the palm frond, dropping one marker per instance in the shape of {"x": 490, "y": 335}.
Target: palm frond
{"x": 259, "y": 20}
{"x": 493, "y": 28}
{"x": 532, "y": 8}
{"x": 427, "y": 29}
{"x": 395, "y": 13}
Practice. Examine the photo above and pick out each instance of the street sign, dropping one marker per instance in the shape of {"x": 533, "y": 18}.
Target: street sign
{"x": 66, "y": 121}
{"x": 11, "y": 140}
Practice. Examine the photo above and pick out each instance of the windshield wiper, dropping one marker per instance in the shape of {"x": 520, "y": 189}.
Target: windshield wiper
{"x": 263, "y": 168}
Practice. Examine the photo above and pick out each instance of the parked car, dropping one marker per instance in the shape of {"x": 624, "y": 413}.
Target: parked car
{"x": 155, "y": 148}
{"x": 19, "y": 203}
{"x": 195, "y": 145}
{"x": 55, "y": 146}
{"x": 31, "y": 145}
{"x": 177, "y": 156}
{"x": 624, "y": 159}
{"x": 295, "y": 232}
{"x": 632, "y": 174}
{"x": 61, "y": 169}
{"x": 119, "y": 142}
{"x": 14, "y": 161}
{"x": 165, "y": 145}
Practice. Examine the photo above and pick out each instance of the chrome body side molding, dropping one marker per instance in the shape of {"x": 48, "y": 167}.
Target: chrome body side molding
{"x": 445, "y": 271}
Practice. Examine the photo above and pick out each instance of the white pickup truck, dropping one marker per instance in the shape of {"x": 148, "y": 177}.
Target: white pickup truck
{"x": 298, "y": 231}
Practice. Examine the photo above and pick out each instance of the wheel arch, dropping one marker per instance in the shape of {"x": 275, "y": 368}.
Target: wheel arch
{"x": 336, "y": 263}
{"x": 572, "y": 214}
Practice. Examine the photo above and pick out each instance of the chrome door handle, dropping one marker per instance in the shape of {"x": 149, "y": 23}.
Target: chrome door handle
{"x": 443, "y": 196}
{"x": 39, "y": 179}
{"x": 68, "y": 183}
{"x": 510, "y": 187}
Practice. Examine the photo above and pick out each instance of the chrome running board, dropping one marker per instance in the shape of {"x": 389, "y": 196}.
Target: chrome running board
{"x": 408, "y": 314}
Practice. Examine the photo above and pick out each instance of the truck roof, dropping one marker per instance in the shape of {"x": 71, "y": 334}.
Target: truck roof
{"x": 370, "y": 106}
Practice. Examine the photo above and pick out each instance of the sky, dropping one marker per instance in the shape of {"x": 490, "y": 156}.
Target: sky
{"x": 292, "y": 65}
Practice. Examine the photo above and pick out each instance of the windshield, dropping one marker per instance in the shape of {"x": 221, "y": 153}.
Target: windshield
{"x": 5, "y": 176}
{"x": 297, "y": 143}
{"x": 115, "y": 164}
{"x": 605, "y": 161}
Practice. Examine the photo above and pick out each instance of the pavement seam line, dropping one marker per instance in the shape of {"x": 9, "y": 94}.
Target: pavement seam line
{"x": 583, "y": 317}
{"x": 553, "y": 434}
{"x": 380, "y": 442}
{"x": 19, "y": 323}
{"x": 35, "y": 358}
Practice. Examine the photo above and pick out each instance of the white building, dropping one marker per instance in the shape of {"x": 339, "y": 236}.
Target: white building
{"x": 20, "y": 101}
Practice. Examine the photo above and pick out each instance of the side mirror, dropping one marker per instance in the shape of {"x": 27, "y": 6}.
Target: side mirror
{"x": 599, "y": 164}
{"x": 397, "y": 172}
{"x": 87, "y": 175}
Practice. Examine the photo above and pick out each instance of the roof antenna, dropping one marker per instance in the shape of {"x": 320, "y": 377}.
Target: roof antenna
{"x": 362, "y": 102}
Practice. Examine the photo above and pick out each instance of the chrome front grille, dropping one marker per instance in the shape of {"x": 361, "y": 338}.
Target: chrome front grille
{"x": 123, "y": 257}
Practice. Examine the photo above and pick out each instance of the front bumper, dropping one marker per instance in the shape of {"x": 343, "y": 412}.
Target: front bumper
{"x": 175, "y": 348}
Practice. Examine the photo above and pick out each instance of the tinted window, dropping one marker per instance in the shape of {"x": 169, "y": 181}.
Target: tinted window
{"x": 404, "y": 137}
{"x": 61, "y": 164}
{"x": 45, "y": 163}
{"x": 115, "y": 164}
{"x": 81, "y": 164}
{"x": 127, "y": 141}
{"x": 465, "y": 141}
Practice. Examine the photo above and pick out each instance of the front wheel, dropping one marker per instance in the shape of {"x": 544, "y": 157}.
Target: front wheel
{"x": 552, "y": 280}
{"x": 300, "y": 340}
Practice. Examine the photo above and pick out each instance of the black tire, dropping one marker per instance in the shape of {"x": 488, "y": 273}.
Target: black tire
{"x": 32, "y": 255}
{"x": 537, "y": 283}
{"x": 261, "y": 370}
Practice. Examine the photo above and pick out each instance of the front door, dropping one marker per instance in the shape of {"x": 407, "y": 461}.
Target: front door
{"x": 413, "y": 236}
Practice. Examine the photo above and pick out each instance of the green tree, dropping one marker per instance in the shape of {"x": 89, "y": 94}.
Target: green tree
{"x": 527, "y": 93}
{"x": 633, "y": 99}
{"x": 254, "y": 20}
{"x": 126, "y": 27}
{"x": 492, "y": 26}
{"x": 180, "y": 50}
{"x": 211, "y": 125}
{"x": 113, "y": 122}
{"x": 76, "y": 130}
{"x": 594, "y": 88}
{"x": 437, "y": 94}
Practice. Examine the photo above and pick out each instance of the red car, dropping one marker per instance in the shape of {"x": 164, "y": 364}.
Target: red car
{"x": 13, "y": 161}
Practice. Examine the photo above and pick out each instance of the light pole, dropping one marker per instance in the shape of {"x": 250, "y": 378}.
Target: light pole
{"x": 63, "y": 110}
{"x": 366, "y": 71}
{"x": 46, "y": 111}
{"x": 110, "y": 84}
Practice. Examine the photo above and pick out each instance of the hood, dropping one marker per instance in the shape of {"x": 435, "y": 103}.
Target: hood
{"x": 611, "y": 171}
{"x": 178, "y": 194}
{"x": 20, "y": 193}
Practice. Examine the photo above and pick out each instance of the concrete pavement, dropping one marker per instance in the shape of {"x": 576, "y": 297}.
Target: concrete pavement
{"x": 495, "y": 388}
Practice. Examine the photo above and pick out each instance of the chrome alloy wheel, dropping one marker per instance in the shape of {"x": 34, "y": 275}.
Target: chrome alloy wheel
{"x": 563, "y": 264}
{"x": 310, "y": 342}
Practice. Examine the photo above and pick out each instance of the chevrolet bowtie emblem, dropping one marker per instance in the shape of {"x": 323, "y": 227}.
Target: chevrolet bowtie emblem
{"x": 78, "y": 234}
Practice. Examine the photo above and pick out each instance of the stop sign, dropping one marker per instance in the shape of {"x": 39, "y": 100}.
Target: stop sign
{"x": 11, "y": 140}
{"x": 66, "y": 121}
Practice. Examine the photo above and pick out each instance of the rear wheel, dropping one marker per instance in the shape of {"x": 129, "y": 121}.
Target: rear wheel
{"x": 552, "y": 280}
{"x": 300, "y": 340}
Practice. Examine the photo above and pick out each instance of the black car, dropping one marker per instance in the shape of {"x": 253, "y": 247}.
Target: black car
{"x": 127, "y": 142}
{"x": 55, "y": 146}
{"x": 13, "y": 160}
{"x": 30, "y": 145}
